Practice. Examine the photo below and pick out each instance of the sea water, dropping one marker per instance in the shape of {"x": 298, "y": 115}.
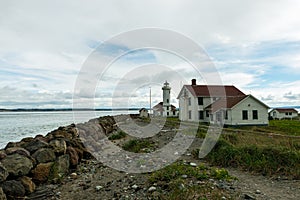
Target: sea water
{"x": 17, "y": 125}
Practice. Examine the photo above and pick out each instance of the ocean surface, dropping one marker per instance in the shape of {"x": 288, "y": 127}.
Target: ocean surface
{"x": 17, "y": 125}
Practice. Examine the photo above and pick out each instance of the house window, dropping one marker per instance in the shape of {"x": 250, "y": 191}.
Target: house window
{"x": 290, "y": 113}
{"x": 219, "y": 116}
{"x": 245, "y": 114}
{"x": 286, "y": 113}
{"x": 200, "y": 100}
{"x": 207, "y": 113}
{"x": 167, "y": 107}
{"x": 167, "y": 113}
{"x": 167, "y": 100}
{"x": 201, "y": 115}
{"x": 254, "y": 114}
{"x": 174, "y": 112}
{"x": 190, "y": 114}
{"x": 189, "y": 101}
{"x": 225, "y": 114}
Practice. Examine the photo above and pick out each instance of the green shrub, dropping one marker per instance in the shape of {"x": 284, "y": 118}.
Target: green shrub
{"x": 138, "y": 146}
{"x": 117, "y": 136}
{"x": 266, "y": 160}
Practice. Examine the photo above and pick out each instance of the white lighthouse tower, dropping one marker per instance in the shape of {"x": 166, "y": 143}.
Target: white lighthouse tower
{"x": 166, "y": 99}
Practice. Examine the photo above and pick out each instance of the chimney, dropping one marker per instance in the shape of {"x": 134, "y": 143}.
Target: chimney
{"x": 194, "y": 82}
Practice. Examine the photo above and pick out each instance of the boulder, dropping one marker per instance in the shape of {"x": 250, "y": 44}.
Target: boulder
{"x": 41, "y": 172}
{"x": 42, "y": 138}
{"x": 17, "y": 165}
{"x": 2, "y": 194}
{"x": 3, "y": 173}
{"x": 13, "y": 144}
{"x": 13, "y": 189}
{"x": 74, "y": 158}
{"x": 27, "y": 139}
{"x": 19, "y": 150}
{"x": 35, "y": 145}
{"x": 28, "y": 184}
{"x": 60, "y": 168}
{"x": 44, "y": 155}
{"x": 2, "y": 154}
{"x": 59, "y": 133}
{"x": 59, "y": 146}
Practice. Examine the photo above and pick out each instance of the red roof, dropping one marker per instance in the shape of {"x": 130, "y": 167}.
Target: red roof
{"x": 227, "y": 102}
{"x": 214, "y": 90}
{"x": 284, "y": 110}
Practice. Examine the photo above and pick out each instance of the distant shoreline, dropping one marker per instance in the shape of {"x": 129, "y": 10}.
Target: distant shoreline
{"x": 64, "y": 109}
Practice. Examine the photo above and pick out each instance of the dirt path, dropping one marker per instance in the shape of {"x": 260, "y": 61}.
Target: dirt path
{"x": 262, "y": 187}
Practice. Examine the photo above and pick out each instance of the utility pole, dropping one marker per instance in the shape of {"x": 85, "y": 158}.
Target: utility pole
{"x": 150, "y": 101}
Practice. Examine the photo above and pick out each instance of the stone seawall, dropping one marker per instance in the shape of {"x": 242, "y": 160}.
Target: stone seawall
{"x": 47, "y": 159}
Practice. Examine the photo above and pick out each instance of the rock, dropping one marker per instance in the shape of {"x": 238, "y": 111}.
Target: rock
{"x": 193, "y": 164}
{"x": 74, "y": 158}
{"x": 73, "y": 175}
{"x": 13, "y": 188}
{"x": 3, "y": 173}
{"x": 19, "y": 150}
{"x": 151, "y": 189}
{"x": 35, "y": 145}
{"x": 59, "y": 146}
{"x": 44, "y": 155}
{"x": 17, "y": 165}
{"x": 248, "y": 196}
{"x": 27, "y": 139}
{"x": 60, "y": 168}
{"x": 28, "y": 184}
{"x": 12, "y": 144}
{"x": 41, "y": 172}
{"x": 258, "y": 192}
{"x": 2, "y": 154}
{"x": 98, "y": 187}
{"x": 2, "y": 194}
{"x": 134, "y": 187}
{"x": 184, "y": 176}
{"x": 223, "y": 198}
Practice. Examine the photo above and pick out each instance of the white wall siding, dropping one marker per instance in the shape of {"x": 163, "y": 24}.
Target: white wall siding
{"x": 249, "y": 104}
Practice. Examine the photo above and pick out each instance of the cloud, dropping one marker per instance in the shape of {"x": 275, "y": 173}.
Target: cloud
{"x": 254, "y": 44}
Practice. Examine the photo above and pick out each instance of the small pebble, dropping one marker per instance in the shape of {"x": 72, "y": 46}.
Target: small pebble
{"x": 151, "y": 189}
{"x": 73, "y": 175}
{"x": 258, "y": 192}
{"x": 184, "y": 176}
{"x": 98, "y": 187}
{"x": 134, "y": 187}
{"x": 193, "y": 164}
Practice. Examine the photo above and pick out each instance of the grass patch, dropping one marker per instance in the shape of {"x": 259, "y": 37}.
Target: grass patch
{"x": 117, "y": 136}
{"x": 180, "y": 181}
{"x": 289, "y": 127}
{"x": 265, "y": 160}
{"x": 138, "y": 146}
{"x": 201, "y": 132}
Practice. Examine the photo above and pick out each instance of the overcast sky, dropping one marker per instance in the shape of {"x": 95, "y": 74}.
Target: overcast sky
{"x": 254, "y": 45}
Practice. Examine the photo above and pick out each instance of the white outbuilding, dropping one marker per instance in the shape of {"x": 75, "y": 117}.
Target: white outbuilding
{"x": 283, "y": 113}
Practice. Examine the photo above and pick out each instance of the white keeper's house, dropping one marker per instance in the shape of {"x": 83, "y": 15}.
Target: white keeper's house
{"x": 220, "y": 104}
